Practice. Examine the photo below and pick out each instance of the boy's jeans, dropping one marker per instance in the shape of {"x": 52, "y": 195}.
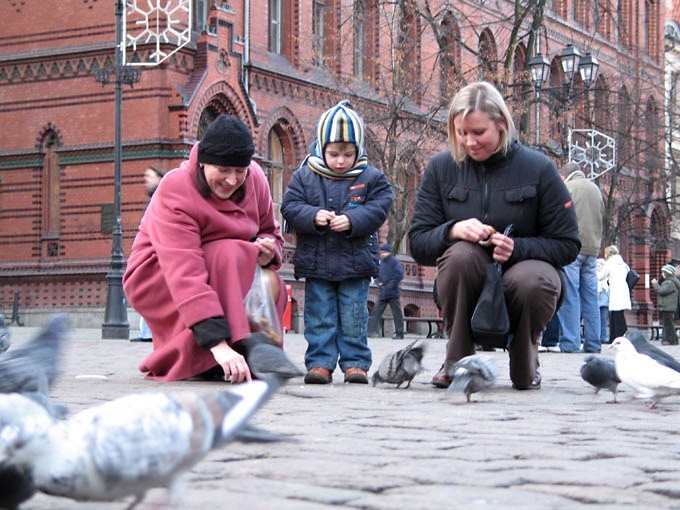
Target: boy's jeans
{"x": 580, "y": 301}
{"x": 336, "y": 319}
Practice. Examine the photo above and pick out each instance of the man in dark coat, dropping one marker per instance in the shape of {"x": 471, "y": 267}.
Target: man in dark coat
{"x": 389, "y": 279}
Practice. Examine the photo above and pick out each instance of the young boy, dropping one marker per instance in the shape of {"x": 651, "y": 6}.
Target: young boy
{"x": 335, "y": 203}
{"x": 667, "y": 293}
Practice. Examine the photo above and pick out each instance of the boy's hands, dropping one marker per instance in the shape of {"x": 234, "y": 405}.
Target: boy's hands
{"x": 337, "y": 223}
{"x": 323, "y": 218}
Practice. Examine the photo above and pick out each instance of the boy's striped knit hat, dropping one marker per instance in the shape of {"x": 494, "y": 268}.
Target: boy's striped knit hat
{"x": 341, "y": 124}
{"x": 668, "y": 269}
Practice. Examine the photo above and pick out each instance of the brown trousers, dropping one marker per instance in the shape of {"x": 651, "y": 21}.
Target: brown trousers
{"x": 532, "y": 289}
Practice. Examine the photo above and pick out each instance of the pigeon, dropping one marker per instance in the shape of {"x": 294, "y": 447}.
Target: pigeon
{"x": 20, "y": 418}
{"x": 34, "y": 365}
{"x": 267, "y": 361}
{"x": 5, "y": 336}
{"x": 32, "y": 368}
{"x": 601, "y": 373}
{"x": 131, "y": 444}
{"x": 648, "y": 378}
{"x": 401, "y": 366}
{"x": 644, "y": 347}
{"x": 472, "y": 374}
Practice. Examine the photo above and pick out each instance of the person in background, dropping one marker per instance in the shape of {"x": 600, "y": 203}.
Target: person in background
{"x": 603, "y": 302}
{"x": 580, "y": 298}
{"x": 469, "y": 194}
{"x": 389, "y": 279}
{"x": 152, "y": 178}
{"x": 615, "y": 270}
{"x": 208, "y": 226}
{"x": 335, "y": 203}
{"x": 667, "y": 301}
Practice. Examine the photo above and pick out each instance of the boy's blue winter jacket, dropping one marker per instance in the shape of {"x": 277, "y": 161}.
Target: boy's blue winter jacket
{"x": 335, "y": 256}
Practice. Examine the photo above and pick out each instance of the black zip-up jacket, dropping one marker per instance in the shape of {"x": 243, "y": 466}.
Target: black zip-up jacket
{"x": 522, "y": 188}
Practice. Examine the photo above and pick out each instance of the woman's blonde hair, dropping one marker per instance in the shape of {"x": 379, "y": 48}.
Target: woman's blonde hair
{"x": 611, "y": 250}
{"x": 483, "y": 97}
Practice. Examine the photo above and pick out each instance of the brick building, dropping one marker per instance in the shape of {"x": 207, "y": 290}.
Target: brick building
{"x": 278, "y": 64}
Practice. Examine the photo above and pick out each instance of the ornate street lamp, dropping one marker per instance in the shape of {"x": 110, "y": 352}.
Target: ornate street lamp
{"x": 570, "y": 58}
{"x": 588, "y": 67}
{"x": 571, "y": 61}
{"x": 167, "y": 26}
{"x": 115, "y": 316}
{"x": 540, "y": 70}
{"x": 587, "y": 147}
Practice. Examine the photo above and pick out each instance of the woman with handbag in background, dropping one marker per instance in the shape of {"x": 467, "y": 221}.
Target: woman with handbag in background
{"x": 470, "y": 193}
{"x": 615, "y": 271}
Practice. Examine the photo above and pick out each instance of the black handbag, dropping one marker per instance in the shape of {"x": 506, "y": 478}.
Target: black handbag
{"x": 490, "y": 323}
{"x": 632, "y": 278}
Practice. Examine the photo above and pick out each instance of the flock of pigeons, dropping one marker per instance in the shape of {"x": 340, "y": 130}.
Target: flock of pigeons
{"x": 123, "y": 447}
{"x": 651, "y": 372}
{"x": 126, "y": 446}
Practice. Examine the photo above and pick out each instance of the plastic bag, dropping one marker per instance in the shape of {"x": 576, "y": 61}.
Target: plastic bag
{"x": 261, "y": 309}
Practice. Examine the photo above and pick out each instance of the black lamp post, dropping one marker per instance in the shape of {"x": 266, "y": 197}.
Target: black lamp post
{"x": 571, "y": 61}
{"x": 115, "y": 319}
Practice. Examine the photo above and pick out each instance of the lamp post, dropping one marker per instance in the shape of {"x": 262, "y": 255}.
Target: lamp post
{"x": 115, "y": 317}
{"x": 571, "y": 61}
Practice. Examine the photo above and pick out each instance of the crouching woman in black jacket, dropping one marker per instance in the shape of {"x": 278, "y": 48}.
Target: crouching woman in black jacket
{"x": 470, "y": 193}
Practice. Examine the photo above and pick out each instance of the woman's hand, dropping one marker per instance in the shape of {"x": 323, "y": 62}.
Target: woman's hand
{"x": 267, "y": 248}
{"x": 503, "y": 247}
{"x": 233, "y": 364}
{"x": 471, "y": 230}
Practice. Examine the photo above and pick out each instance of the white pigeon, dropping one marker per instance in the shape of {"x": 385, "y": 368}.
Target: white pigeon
{"x": 21, "y": 418}
{"x": 472, "y": 374}
{"x": 129, "y": 445}
{"x": 648, "y": 378}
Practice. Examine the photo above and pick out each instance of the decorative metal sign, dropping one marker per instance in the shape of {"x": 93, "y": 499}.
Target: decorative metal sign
{"x": 165, "y": 24}
{"x": 595, "y": 152}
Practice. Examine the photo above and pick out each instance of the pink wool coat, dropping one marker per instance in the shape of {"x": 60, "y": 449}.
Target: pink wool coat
{"x": 194, "y": 258}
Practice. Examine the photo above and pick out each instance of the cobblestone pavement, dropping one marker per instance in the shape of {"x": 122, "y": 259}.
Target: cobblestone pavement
{"x": 360, "y": 447}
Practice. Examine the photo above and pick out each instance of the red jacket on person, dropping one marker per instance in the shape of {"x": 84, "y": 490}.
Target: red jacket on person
{"x": 193, "y": 259}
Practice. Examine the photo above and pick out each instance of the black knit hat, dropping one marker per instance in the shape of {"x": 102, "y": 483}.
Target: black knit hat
{"x": 226, "y": 142}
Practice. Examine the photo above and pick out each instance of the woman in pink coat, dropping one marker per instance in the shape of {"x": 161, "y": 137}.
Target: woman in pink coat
{"x": 209, "y": 224}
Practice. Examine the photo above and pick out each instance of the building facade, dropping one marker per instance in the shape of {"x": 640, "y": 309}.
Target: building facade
{"x": 277, "y": 64}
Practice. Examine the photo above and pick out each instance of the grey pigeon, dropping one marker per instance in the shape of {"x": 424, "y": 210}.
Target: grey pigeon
{"x": 472, "y": 374}
{"x": 601, "y": 373}
{"x": 644, "y": 347}
{"x": 267, "y": 361}
{"x": 34, "y": 366}
{"x": 134, "y": 443}
{"x": 5, "y": 336}
{"x": 649, "y": 379}
{"x": 400, "y": 366}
